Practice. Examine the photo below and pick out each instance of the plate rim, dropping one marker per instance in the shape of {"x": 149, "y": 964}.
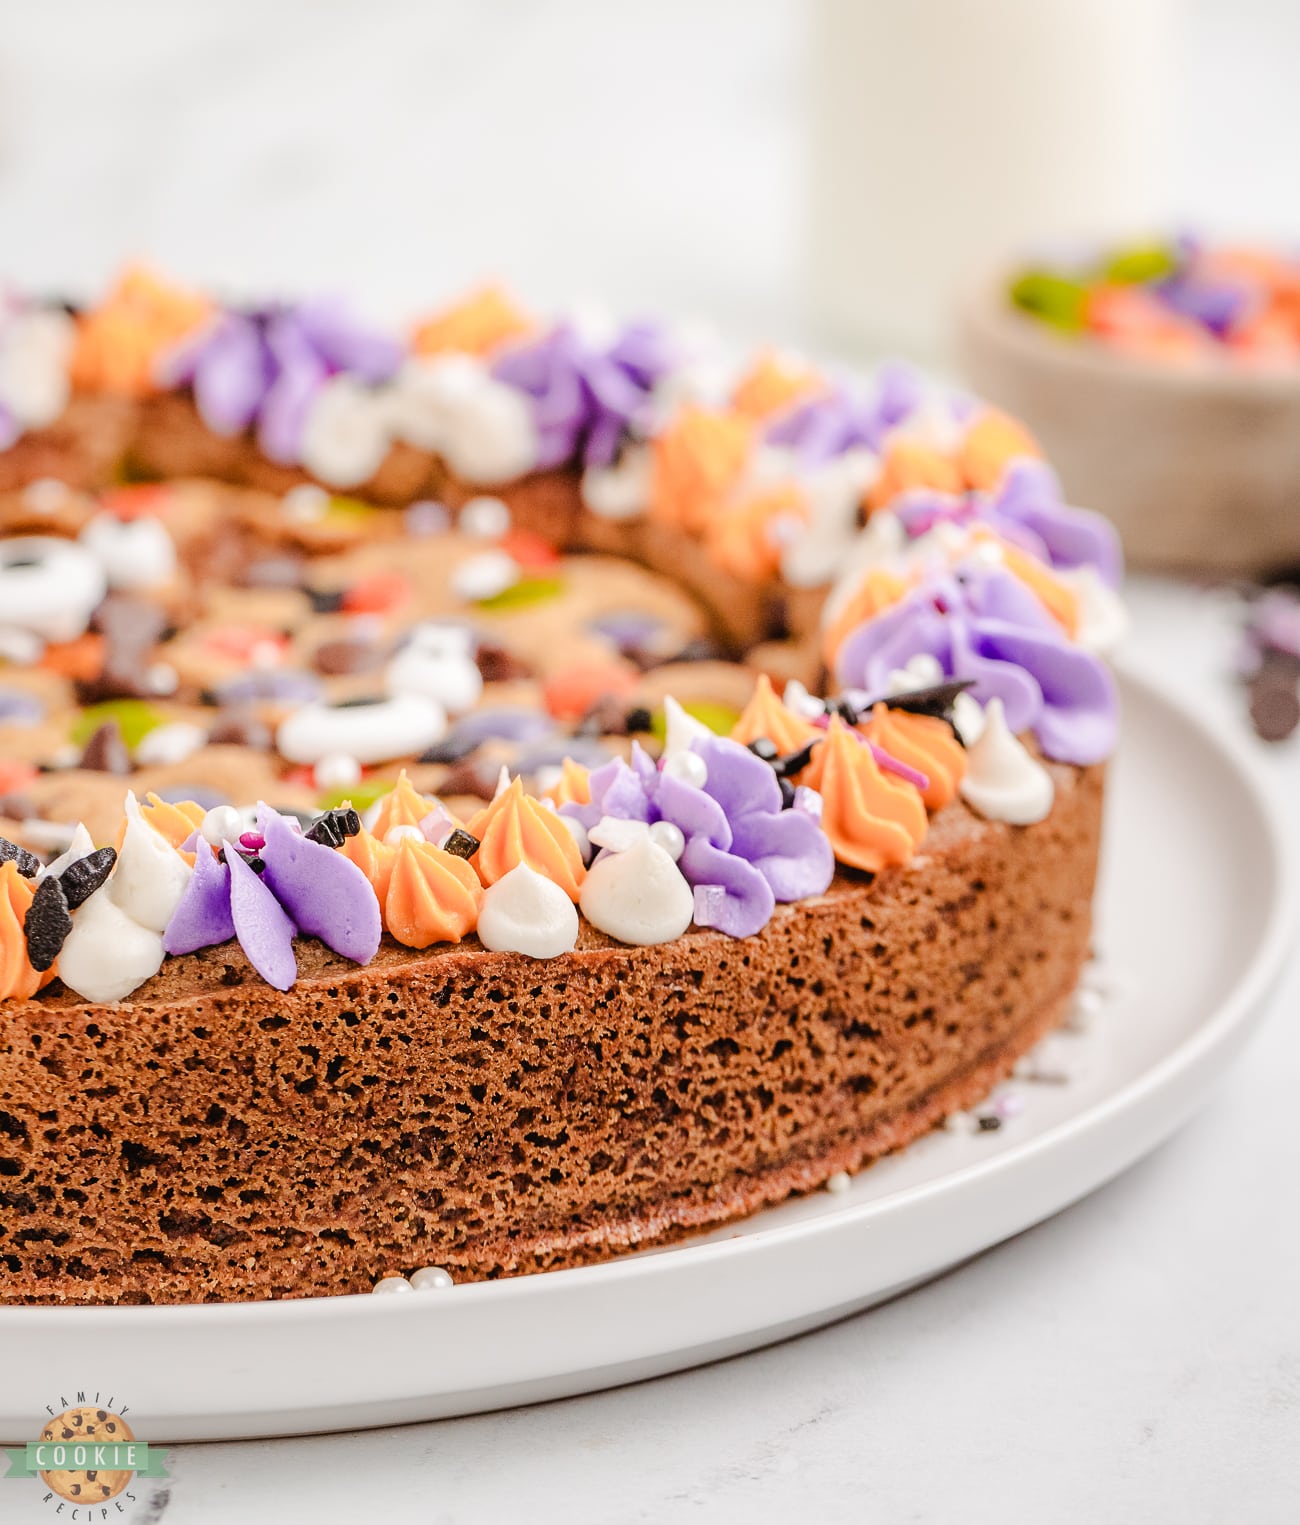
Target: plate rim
{"x": 1242, "y": 1001}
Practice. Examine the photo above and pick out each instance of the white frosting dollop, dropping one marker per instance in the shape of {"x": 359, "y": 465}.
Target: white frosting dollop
{"x": 834, "y": 494}
{"x": 681, "y": 728}
{"x": 347, "y": 432}
{"x": 482, "y": 428}
{"x": 35, "y": 348}
{"x": 620, "y": 491}
{"x": 108, "y": 954}
{"x": 1003, "y": 782}
{"x": 134, "y": 553}
{"x": 639, "y": 895}
{"x": 372, "y": 733}
{"x": 525, "y": 912}
{"x": 1103, "y": 620}
{"x": 81, "y": 846}
{"x": 438, "y": 662}
{"x": 171, "y": 743}
{"x": 968, "y": 718}
{"x": 49, "y": 588}
{"x": 150, "y": 875}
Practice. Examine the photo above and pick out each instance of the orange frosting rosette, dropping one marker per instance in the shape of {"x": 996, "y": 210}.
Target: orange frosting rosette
{"x": 773, "y": 383}
{"x": 433, "y": 896}
{"x": 573, "y": 787}
{"x": 698, "y": 462}
{"x": 873, "y": 820}
{"x": 766, "y": 715}
{"x": 744, "y": 537}
{"x": 120, "y": 342}
{"x": 478, "y": 324}
{"x": 993, "y": 440}
{"x": 403, "y": 806}
{"x": 906, "y": 465}
{"x": 374, "y": 858}
{"x": 877, "y": 590}
{"x": 516, "y": 829}
{"x": 18, "y": 980}
{"x": 923, "y": 742}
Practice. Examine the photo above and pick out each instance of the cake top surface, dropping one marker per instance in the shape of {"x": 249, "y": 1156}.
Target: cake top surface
{"x": 389, "y": 649}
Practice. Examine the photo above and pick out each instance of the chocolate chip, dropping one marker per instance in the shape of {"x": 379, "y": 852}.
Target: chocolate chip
{"x": 1274, "y": 708}
{"x": 787, "y": 793}
{"x": 454, "y": 747}
{"x": 607, "y": 717}
{"x": 106, "y": 752}
{"x": 325, "y": 600}
{"x": 497, "y": 665}
{"x": 334, "y": 827}
{"x": 240, "y": 728}
{"x": 47, "y": 923}
{"x": 81, "y": 879}
{"x": 990, "y": 1123}
{"x": 465, "y": 778}
{"x": 638, "y": 720}
{"x": 338, "y": 658}
{"x": 461, "y": 843}
{"x": 29, "y": 865}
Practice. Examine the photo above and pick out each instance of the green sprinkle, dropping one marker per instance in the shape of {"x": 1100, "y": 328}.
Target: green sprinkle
{"x": 348, "y": 508}
{"x": 720, "y": 718}
{"x": 135, "y": 719}
{"x": 1143, "y": 262}
{"x": 525, "y": 592}
{"x": 361, "y": 796}
{"x": 1056, "y": 299}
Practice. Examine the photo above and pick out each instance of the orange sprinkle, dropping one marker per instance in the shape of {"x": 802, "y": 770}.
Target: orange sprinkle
{"x": 570, "y": 694}
{"x": 16, "y": 775}
{"x": 698, "y": 462}
{"x": 923, "y": 742}
{"x": 772, "y": 384}
{"x": 906, "y": 465}
{"x": 18, "y": 980}
{"x": 515, "y": 829}
{"x": 766, "y": 715}
{"x": 479, "y": 323}
{"x": 532, "y": 551}
{"x": 377, "y": 593}
{"x": 992, "y": 441}
{"x": 742, "y": 537}
{"x": 80, "y": 659}
{"x": 138, "y": 500}
{"x": 877, "y": 590}
{"x": 120, "y": 343}
{"x": 433, "y": 896}
{"x": 873, "y": 820}
{"x": 404, "y": 806}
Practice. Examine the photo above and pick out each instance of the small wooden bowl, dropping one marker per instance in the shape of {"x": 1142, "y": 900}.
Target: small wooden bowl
{"x": 1198, "y": 469}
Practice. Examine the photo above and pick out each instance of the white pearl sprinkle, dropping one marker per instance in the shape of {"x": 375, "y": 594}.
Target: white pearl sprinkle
{"x": 688, "y": 768}
{"x": 484, "y": 576}
{"x": 162, "y": 678}
{"x": 221, "y": 824}
{"x": 396, "y": 835}
{"x": 45, "y": 495}
{"x": 839, "y": 1183}
{"x": 484, "y": 518}
{"x": 305, "y": 504}
{"x": 961, "y": 1122}
{"x": 431, "y": 1279}
{"x": 337, "y": 771}
{"x": 664, "y": 834}
{"x": 390, "y": 1284}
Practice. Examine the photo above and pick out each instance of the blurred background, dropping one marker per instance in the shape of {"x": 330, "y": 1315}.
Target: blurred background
{"x": 686, "y": 158}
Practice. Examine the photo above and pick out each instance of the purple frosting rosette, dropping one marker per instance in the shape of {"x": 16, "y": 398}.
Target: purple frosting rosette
{"x": 846, "y": 418}
{"x": 586, "y": 399}
{"x": 264, "y": 367}
{"x": 985, "y": 625}
{"x": 743, "y": 852}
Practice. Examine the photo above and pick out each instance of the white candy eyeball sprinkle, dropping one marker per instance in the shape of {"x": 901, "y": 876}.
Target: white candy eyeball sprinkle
{"x": 337, "y": 771}
{"x": 664, "y": 834}
{"x": 839, "y": 1183}
{"x": 170, "y": 743}
{"x": 222, "y": 823}
{"x": 398, "y": 1284}
{"x": 396, "y": 835}
{"x": 431, "y": 1279}
{"x": 484, "y": 576}
{"x": 485, "y": 518}
{"x": 688, "y": 767}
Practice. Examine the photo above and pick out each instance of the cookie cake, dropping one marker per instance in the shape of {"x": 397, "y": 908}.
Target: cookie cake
{"x": 506, "y": 794}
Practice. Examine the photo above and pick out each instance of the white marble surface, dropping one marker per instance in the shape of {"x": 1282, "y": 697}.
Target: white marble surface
{"x": 1135, "y": 1358}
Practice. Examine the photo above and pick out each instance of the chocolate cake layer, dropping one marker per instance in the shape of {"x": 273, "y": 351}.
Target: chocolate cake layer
{"x": 213, "y": 1139}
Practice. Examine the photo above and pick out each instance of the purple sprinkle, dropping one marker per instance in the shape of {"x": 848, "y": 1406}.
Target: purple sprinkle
{"x": 19, "y": 708}
{"x": 503, "y": 723}
{"x": 892, "y": 765}
{"x": 426, "y": 518}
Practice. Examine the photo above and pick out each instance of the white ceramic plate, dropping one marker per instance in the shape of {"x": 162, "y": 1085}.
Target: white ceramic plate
{"x": 1196, "y": 914}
